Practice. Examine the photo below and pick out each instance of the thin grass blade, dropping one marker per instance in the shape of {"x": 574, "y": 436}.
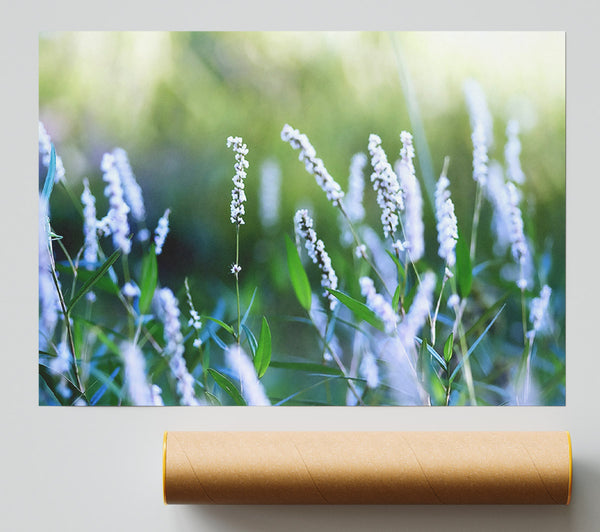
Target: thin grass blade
{"x": 475, "y": 344}
{"x": 87, "y": 286}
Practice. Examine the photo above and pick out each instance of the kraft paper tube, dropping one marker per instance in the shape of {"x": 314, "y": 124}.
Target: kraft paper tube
{"x": 367, "y": 467}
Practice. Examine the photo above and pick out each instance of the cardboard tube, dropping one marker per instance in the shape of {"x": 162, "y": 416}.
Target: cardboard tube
{"x": 367, "y": 467}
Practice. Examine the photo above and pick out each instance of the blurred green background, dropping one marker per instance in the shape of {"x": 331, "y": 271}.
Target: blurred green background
{"x": 171, "y": 100}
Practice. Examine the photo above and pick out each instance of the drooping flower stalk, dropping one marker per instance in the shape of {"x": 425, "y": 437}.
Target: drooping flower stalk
{"x": 270, "y": 191}
{"x": 356, "y": 186}
{"x": 161, "y": 232}
{"x": 252, "y": 389}
{"x": 519, "y": 246}
{"x": 139, "y": 390}
{"x": 174, "y": 349}
{"x": 385, "y": 184}
{"x": 131, "y": 189}
{"x": 115, "y": 222}
{"x": 478, "y": 109}
{"x": 480, "y": 156}
{"x": 90, "y": 226}
{"x": 400, "y": 352}
{"x": 447, "y": 229}
{"x": 156, "y": 393}
{"x": 538, "y": 312}
{"x": 49, "y": 301}
{"x": 418, "y": 313}
{"x": 312, "y": 163}
{"x": 315, "y": 166}
{"x": 353, "y": 203}
{"x": 413, "y": 201}
{"x": 447, "y": 225}
{"x": 482, "y": 137}
{"x": 377, "y": 303}
{"x": 512, "y": 153}
{"x": 316, "y": 251}
{"x": 497, "y": 194}
{"x": 369, "y": 370}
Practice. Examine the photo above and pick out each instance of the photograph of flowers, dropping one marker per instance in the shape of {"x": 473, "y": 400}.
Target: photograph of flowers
{"x": 302, "y": 218}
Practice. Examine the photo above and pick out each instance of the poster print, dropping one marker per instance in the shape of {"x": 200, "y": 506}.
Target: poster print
{"x": 340, "y": 218}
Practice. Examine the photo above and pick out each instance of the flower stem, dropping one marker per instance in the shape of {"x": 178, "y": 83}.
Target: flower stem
{"x": 458, "y": 328}
{"x": 337, "y": 361}
{"x": 359, "y": 243}
{"x": 237, "y": 281}
{"x": 476, "y": 212}
{"x": 437, "y": 309}
{"x": 524, "y": 316}
{"x": 63, "y": 307}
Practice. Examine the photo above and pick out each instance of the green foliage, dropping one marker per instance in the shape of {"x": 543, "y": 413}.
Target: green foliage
{"x": 88, "y": 285}
{"x": 464, "y": 270}
{"x": 262, "y": 358}
{"x": 298, "y": 276}
{"x": 227, "y": 386}
{"x": 148, "y": 279}
{"x": 360, "y": 310}
{"x": 448, "y": 348}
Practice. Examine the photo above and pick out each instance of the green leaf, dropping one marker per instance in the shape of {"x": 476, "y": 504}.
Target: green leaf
{"x": 433, "y": 352}
{"x": 262, "y": 358}
{"x": 448, "y": 348}
{"x": 46, "y": 385}
{"x": 228, "y": 328}
{"x": 45, "y": 378}
{"x": 87, "y": 286}
{"x": 105, "y": 283}
{"x": 148, "y": 280}
{"x": 251, "y": 339}
{"x": 464, "y": 271}
{"x": 227, "y": 386}
{"x": 50, "y": 176}
{"x": 298, "y": 276}
{"x": 475, "y": 344}
{"x": 214, "y": 400}
{"x": 49, "y": 375}
{"x": 396, "y": 299}
{"x": 398, "y": 264}
{"x": 360, "y": 310}
{"x": 306, "y": 366}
